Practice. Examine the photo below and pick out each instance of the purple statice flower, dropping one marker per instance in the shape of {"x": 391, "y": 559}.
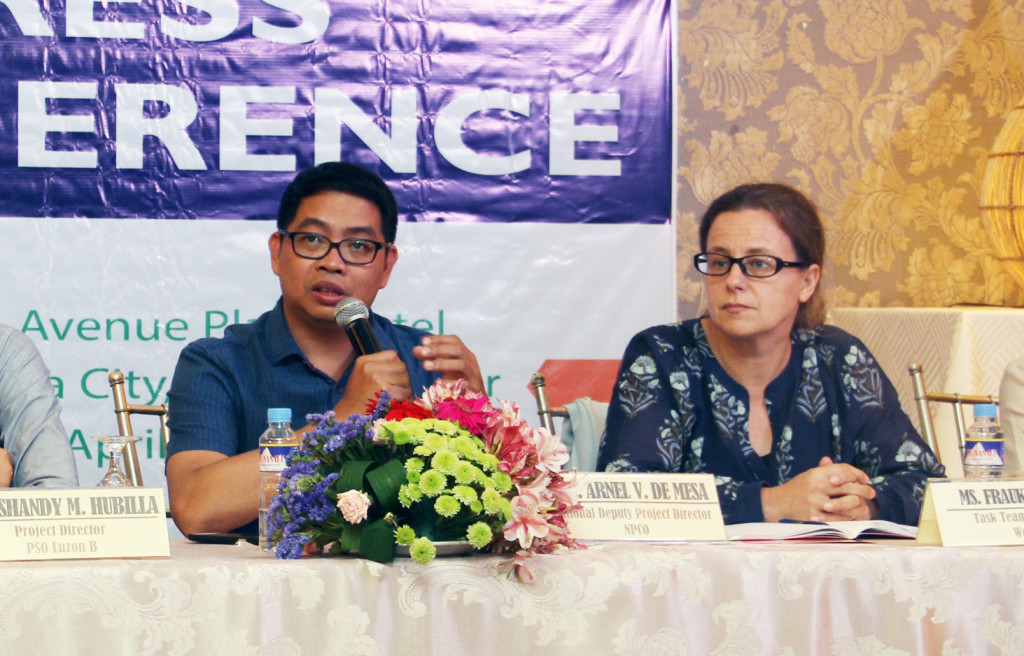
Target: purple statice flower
{"x": 291, "y": 545}
{"x": 382, "y": 407}
{"x": 343, "y": 432}
{"x": 297, "y": 470}
{"x": 323, "y": 429}
{"x": 321, "y": 508}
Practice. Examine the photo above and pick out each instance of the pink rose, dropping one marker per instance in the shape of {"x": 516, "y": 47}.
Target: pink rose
{"x": 353, "y": 506}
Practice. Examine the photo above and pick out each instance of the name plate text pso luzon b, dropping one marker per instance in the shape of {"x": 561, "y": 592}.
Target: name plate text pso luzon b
{"x": 52, "y": 523}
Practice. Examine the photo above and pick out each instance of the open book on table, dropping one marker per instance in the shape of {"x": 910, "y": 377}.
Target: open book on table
{"x": 866, "y": 530}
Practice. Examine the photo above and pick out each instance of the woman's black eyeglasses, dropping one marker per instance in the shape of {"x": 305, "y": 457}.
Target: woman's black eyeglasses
{"x": 752, "y": 266}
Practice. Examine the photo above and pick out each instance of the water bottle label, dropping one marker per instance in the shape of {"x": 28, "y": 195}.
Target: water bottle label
{"x": 274, "y": 458}
{"x": 983, "y": 453}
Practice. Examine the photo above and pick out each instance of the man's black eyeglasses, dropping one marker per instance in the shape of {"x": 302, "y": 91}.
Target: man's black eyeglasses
{"x": 314, "y": 246}
{"x": 752, "y": 266}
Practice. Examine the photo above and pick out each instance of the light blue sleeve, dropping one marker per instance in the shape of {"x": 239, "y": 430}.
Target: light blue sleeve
{"x": 30, "y": 426}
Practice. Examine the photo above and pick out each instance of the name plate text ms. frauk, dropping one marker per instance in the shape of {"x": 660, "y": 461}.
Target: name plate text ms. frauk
{"x": 973, "y": 512}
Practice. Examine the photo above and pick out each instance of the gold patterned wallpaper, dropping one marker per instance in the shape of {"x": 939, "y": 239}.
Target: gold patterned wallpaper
{"x": 881, "y": 111}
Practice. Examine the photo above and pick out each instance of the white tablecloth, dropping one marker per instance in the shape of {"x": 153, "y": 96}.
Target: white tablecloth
{"x": 775, "y": 599}
{"x": 962, "y": 350}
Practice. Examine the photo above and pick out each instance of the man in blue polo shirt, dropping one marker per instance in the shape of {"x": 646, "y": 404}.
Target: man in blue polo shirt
{"x": 336, "y": 232}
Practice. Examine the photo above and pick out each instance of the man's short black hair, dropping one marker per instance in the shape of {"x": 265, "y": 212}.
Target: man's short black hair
{"x": 346, "y": 178}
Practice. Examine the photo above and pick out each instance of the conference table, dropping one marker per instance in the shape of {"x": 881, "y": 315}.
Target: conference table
{"x": 739, "y": 598}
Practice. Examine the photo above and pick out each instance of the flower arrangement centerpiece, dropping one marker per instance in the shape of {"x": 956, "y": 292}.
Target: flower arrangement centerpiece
{"x": 450, "y": 466}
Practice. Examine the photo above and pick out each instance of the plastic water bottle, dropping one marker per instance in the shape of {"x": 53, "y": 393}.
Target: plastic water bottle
{"x": 276, "y": 443}
{"x": 983, "y": 444}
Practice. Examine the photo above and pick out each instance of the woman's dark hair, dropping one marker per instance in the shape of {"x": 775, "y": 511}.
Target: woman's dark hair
{"x": 345, "y": 178}
{"x": 797, "y": 217}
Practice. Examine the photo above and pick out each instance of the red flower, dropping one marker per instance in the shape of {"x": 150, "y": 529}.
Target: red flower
{"x": 371, "y": 403}
{"x": 402, "y": 409}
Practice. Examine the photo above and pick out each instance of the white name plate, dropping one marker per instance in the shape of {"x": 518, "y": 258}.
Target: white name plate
{"x": 55, "y": 523}
{"x": 972, "y": 513}
{"x": 647, "y": 507}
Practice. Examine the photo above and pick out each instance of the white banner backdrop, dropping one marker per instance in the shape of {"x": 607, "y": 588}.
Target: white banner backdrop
{"x": 102, "y": 294}
{"x": 531, "y": 150}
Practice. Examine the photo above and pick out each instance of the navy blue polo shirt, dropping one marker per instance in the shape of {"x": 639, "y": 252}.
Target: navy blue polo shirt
{"x": 222, "y": 387}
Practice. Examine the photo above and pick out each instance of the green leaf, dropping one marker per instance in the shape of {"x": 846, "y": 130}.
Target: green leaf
{"x": 350, "y": 538}
{"x": 385, "y": 481}
{"x": 377, "y": 542}
{"x": 350, "y": 477}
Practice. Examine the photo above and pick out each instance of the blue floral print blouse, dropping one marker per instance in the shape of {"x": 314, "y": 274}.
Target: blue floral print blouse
{"x": 675, "y": 409}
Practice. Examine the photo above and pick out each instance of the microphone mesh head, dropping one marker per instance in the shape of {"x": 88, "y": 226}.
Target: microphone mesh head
{"x": 349, "y": 309}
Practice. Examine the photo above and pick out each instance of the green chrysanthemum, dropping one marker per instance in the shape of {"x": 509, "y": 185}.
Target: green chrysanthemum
{"x": 479, "y": 535}
{"x": 506, "y": 509}
{"x": 502, "y": 481}
{"x": 414, "y": 465}
{"x": 476, "y": 507}
{"x": 465, "y": 494}
{"x": 447, "y": 506}
{"x": 466, "y": 473}
{"x": 433, "y": 483}
{"x": 415, "y": 493}
{"x": 445, "y": 461}
{"x": 413, "y": 476}
{"x": 489, "y": 462}
{"x": 491, "y": 500}
{"x": 404, "y": 535}
{"x": 435, "y": 442}
{"x": 445, "y": 427}
{"x": 422, "y": 551}
{"x": 464, "y": 446}
{"x": 403, "y": 496}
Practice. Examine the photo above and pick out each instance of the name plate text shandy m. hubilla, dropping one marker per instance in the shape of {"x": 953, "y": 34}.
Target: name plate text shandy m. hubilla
{"x": 647, "y": 507}
{"x": 53, "y": 523}
{"x": 972, "y": 512}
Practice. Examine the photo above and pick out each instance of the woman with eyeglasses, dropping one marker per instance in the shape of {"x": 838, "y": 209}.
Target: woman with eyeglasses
{"x": 794, "y": 418}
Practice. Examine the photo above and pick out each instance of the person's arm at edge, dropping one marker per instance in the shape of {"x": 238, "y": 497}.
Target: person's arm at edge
{"x": 210, "y": 489}
{"x": 6, "y": 469}
{"x": 212, "y": 492}
{"x": 35, "y": 441}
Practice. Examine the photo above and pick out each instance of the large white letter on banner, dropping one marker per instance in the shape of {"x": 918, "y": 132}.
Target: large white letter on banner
{"x": 315, "y": 17}
{"x": 333, "y": 108}
{"x": 28, "y": 17}
{"x": 132, "y": 125}
{"x": 81, "y": 22}
{"x": 236, "y": 126}
{"x": 34, "y": 123}
{"x": 448, "y": 132}
{"x": 223, "y": 19}
{"x": 565, "y": 132}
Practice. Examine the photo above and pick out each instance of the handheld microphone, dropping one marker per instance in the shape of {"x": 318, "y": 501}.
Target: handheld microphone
{"x": 352, "y": 315}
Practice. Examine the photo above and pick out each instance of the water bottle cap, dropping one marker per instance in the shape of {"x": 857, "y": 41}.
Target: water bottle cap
{"x": 279, "y": 415}
{"x": 985, "y": 410}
